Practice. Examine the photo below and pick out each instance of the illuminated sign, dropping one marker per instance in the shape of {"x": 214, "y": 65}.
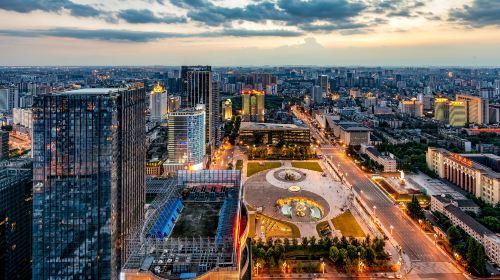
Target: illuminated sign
{"x": 462, "y": 159}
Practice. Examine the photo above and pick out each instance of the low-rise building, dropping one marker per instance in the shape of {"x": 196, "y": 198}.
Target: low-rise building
{"x": 388, "y": 162}
{"x": 455, "y": 212}
{"x": 252, "y": 133}
{"x": 351, "y": 133}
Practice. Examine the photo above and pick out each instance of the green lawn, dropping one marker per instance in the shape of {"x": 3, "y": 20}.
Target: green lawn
{"x": 311, "y": 165}
{"x": 255, "y": 167}
{"x": 348, "y": 225}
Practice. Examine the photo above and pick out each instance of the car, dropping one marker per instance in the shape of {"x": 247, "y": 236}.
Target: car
{"x": 323, "y": 174}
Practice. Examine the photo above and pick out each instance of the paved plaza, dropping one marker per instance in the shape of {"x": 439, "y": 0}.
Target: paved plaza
{"x": 265, "y": 188}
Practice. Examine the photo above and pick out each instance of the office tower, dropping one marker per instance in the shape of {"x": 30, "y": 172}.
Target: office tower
{"x": 324, "y": 84}
{"x": 174, "y": 103}
{"x": 15, "y": 220}
{"x": 476, "y": 109}
{"x": 158, "y": 103}
{"x": 441, "y": 109}
{"x": 197, "y": 89}
{"x": 317, "y": 96}
{"x": 497, "y": 88}
{"x": 88, "y": 180}
{"x": 215, "y": 120}
{"x": 426, "y": 101}
{"x": 227, "y": 109}
{"x": 253, "y": 105}
{"x": 9, "y": 99}
{"x": 412, "y": 107}
{"x": 457, "y": 114}
{"x": 494, "y": 113}
{"x": 4, "y": 145}
{"x": 186, "y": 139}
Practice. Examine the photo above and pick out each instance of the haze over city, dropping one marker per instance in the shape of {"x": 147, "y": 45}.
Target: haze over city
{"x": 231, "y": 32}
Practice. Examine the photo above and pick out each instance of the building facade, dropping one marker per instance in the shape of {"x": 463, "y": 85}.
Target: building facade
{"x": 457, "y": 114}
{"x": 253, "y": 105}
{"x": 4, "y": 145}
{"x": 186, "y": 139}
{"x": 227, "y": 109}
{"x": 471, "y": 172}
{"x": 88, "y": 180}
{"x": 198, "y": 89}
{"x": 476, "y": 108}
{"x": 413, "y": 107}
{"x": 441, "y": 109}
{"x": 389, "y": 163}
{"x": 158, "y": 104}
{"x": 15, "y": 221}
{"x": 272, "y": 134}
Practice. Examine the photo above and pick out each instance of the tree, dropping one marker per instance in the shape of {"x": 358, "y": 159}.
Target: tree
{"x": 295, "y": 242}
{"x": 352, "y": 252}
{"x": 305, "y": 241}
{"x": 454, "y": 235}
{"x": 299, "y": 267}
{"x": 414, "y": 209}
{"x": 370, "y": 255}
{"x": 312, "y": 241}
{"x": 334, "y": 254}
{"x": 342, "y": 258}
{"x": 470, "y": 250}
{"x": 286, "y": 244}
{"x": 378, "y": 246}
{"x": 480, "y": 261}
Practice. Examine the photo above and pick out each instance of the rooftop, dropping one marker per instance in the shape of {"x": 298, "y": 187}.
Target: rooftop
{"x": 90, "y": 91}
{"x": 467, "y": 220}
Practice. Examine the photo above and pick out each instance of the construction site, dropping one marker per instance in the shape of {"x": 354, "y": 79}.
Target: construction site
{"x": 195, "y": 227}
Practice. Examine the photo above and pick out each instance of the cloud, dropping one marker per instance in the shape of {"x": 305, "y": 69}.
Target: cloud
{"x": 147, "y": 16}
{"x": 480, "y": 13}
{"x": 142, "y": 36}
{"x": 290, "y": 12}
{"x": 26, "y": 6}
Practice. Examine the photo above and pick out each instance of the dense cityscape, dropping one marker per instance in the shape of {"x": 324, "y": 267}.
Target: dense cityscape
{"x": 239, "y": 173}
{"x": 249, "y": 139}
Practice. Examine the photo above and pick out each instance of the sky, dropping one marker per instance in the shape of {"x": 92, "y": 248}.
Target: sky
{"x": 250, "y": 33}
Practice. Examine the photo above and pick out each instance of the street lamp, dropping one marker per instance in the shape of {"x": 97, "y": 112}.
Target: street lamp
{"x": 392, "y": 227}
{"x": 435, "y": 237}
{"x": 374, "y": 210}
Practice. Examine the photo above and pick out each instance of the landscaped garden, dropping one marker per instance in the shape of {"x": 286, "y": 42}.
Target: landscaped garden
{"x": 309, "y": 255}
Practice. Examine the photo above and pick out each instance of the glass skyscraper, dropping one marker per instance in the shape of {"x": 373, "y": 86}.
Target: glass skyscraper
{"x": 88, "y": 180}
{"x": 15, "y": 219}
{"x": 186, "y": 138}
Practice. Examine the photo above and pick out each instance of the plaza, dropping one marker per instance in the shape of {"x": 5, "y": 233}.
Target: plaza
{"x": 295, "y": 197}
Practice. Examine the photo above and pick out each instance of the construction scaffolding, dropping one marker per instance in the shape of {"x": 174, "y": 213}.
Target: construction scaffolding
{"x": 177, "y": 238}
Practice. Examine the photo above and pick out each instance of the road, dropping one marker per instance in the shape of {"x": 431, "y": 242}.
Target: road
{"x": 427, "y": 260}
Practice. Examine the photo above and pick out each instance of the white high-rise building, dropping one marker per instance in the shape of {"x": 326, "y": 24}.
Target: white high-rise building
{"x": 9, "y": 99}
{"x": 158, "y": 103}
{"x": 317, "y": 95}
{"x": 497, "y": 88}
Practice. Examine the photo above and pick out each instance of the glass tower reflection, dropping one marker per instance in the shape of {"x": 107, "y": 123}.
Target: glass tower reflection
{"x": 88, "y": 180}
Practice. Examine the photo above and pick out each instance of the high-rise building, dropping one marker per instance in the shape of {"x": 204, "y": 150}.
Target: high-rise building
{"x": 457, "y": 114}
{"x": 215, "y": 121}
{"x": 324, "y": 83}
{"x": 441, "y": 109}
{"x": 317, "y": 95}
{"x": 477, "y": 108}
{"x": 9, "y": 99}
{"x": 186, "y": 139}
{"x": 158, "y": 103}
{"x": 227, "y": 109}
{"x": 412, "y": 107}
{"x": 4, "y": 145}
{"x": 253, "y": 105}
{"x": 174, "y": 103}
{"x": 15, "y": 220}
{"x": 497, "y": 88}
{"x": 197, "y": 89}
{"x": 88, "y": 180}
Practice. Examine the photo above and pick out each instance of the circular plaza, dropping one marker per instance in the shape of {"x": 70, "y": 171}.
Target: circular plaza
{"x": 295, "y": 195}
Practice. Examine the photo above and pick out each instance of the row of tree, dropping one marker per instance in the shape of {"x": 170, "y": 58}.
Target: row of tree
{"x": 343, "y": 253}
{"x": 285, "y": 152}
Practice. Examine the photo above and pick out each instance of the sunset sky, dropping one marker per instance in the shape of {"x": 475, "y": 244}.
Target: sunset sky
{"x": 244, "y": 32}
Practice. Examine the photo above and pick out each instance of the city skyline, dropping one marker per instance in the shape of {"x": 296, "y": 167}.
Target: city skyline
{"x": 230, "y": 32}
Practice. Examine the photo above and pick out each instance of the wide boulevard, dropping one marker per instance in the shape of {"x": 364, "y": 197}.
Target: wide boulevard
{"x": 427, "y": 260}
